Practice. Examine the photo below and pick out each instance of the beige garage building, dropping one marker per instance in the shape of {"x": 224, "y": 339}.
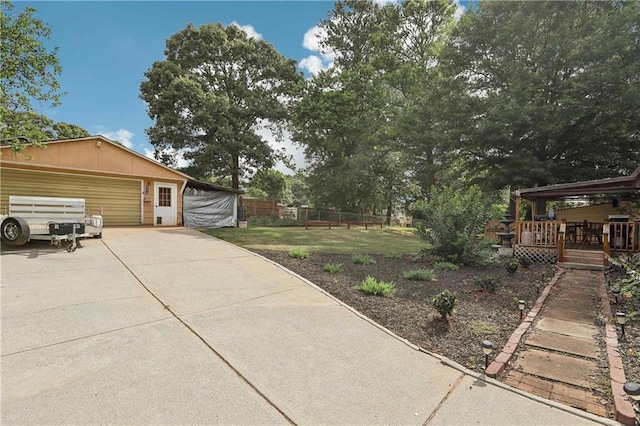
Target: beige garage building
{"x": 126, "y": 187}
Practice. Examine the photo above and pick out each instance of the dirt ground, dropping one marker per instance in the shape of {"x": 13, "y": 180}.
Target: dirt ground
{"x": 480, "y": 315}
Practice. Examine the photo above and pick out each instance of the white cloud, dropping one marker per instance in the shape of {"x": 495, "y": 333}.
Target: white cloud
{"x": 385, "y": 2}
{"x": 249, "y": 30}
{"x": 180, "y": 159}
{"x": 322, "y": 59}
{"x": 459, "y": 10}
{"x": 287, "y": 145}
{"x": 313, "y": 64}
{"x": 124, "y": 136}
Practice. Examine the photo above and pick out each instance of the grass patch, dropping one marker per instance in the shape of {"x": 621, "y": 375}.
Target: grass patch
{"x": 298, "y": 253}
{"x": 482, "y": 328}
{"x": 445, "y": 266}
{"x": 420, "y": 275}
{"x": 370, "y": 285}
{"x": 362, "y": 259}
{"x": 320, "y": 240}
{"x": 332, "y": 268}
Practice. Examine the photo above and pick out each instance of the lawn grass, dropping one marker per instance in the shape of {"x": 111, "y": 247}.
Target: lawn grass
{"x": 320, "y": 240}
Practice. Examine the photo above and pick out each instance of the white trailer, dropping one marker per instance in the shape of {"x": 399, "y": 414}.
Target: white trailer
{"x": 48, "y": 218}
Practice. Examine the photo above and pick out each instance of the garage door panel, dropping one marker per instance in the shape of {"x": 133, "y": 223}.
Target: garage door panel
{"x": 119, "y": 198}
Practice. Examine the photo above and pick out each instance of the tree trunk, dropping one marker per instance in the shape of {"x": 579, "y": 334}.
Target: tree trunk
{"x": 235, "y": 173}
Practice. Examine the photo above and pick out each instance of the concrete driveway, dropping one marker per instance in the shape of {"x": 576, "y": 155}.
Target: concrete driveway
{"x": 151, "y": 326}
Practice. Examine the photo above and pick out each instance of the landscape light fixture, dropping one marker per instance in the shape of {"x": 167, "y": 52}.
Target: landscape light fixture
{"x": 616, "y": 293}
{"x": 621, "y": 319}
{"x": 632, "y": 390}
{"x": 521, "y": 305}
{"x": 537, "y": 287}
{"x": 487, "y": 348}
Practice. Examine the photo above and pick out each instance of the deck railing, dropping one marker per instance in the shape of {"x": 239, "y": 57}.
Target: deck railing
{"x": 623, "y": 236}
{"x": 537, "y": 234}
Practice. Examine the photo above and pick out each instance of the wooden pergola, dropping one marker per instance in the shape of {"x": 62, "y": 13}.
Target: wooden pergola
{"x": 545, "y": 237}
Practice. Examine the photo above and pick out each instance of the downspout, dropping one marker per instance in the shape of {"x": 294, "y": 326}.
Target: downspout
{"x": 184, "y": 185}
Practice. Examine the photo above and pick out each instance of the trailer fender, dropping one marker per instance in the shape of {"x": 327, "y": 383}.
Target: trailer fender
{"x": 14, "y": 231}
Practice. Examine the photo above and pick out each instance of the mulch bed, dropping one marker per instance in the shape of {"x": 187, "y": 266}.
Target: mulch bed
{"x": 480, "y": 315}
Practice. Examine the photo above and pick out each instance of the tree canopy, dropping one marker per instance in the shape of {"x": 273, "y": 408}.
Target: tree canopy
{"x": 213, "y": 91}
{"x": 545, "y": 92}
{"x": 28, "y": 72}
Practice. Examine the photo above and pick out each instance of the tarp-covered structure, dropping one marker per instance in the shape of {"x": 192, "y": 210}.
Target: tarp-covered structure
{"x": 209, "y": 206}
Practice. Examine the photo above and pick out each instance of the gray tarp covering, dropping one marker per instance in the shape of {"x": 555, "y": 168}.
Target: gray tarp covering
{"x": 208, "y": 209}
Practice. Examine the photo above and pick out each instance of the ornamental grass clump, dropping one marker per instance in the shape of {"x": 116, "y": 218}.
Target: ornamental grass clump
{"x": 298, "y": 253}
{"x": 445, "y": 303}
{"x": 445, "y": 266}
{"x": 370, "y": 285}
{"x": 362, "y": 259}
{"x": 420, "y": 275}
{"x": 332, "y": 268}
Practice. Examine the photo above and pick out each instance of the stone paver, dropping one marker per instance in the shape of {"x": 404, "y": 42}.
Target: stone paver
{"x": 569, "y": 328}
{"x": 558, "y": 342}
{"x": 557, "y": 367}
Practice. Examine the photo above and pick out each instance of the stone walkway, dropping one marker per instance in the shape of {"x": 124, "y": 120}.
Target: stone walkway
{"x": 561, "y": 358}
{"x": 566, "y": 349}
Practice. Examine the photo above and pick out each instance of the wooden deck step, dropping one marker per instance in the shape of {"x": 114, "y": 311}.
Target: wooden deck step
{"x": 582, "y": 259}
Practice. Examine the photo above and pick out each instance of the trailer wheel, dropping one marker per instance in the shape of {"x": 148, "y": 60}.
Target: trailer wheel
{"x": 14, "y": 231}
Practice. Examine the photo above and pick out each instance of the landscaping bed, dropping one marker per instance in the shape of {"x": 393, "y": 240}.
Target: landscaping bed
{"x": 479, "y": 315}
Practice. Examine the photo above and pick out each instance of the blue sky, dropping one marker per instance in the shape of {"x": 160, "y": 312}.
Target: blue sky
{"x": 105, "y": 48}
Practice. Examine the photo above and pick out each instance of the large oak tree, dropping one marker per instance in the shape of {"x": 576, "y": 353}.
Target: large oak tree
{"x": 213, "y": 91}
{"x": 545, "y": 92}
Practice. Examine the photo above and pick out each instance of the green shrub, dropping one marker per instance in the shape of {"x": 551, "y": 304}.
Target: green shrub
{"x": 420, "y": 275}
{"x": 372, "y": 286}
{"x": 525, "y": 261}
{"x": 298, "y": 253}
{"x": 511, "y": 266}
{"x": 362, "y": 259}
{"x": 485, "y": 282}
{"x": 332, "y": 268}
{"x": 393, "y": 256}
{"x": 445, "y": 303}
{"x": 446, "y": 266}
{"x": 455, "y": 221}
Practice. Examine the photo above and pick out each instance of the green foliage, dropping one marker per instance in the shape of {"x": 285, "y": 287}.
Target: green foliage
{"x": 420, "y": 275}
{"x": 393, "y": 256}
{"x": 525, "y": 261}
{"x": 511, "y": 266}
{"x": 298, "y": 253}
{"x": 370, "y": 285}
{"x": 485, "y": 282}
{"x": 271, "y": 221}
{"x": 215, "y": 88}
{"x": 28, "y": 73}
{"x": 332, "y": 268}
{"x": 274, "y": 184}
{"x": 446, "y": 266}
{"x": 455, "y": 221}
{"x": 445, "y": 303}
{"x": 630, "y": 285}
{"x": 363, "y": 259}
{"x": 527, "y": 80}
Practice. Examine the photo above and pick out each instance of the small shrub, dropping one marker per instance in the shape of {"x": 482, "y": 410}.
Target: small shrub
{"x": 370, "y": 285}
{"x": 511, "y": 266}
{"x": 298, "y": 253}
{"x": 393, "y": 255}
{"x": 363, "y": 259}
{"x": 485, "y": 282}
{"x": 332, "y": 268}
{"x": 525, "y": 261}
{"x": 446, "y": 266}
{"x": 445, "y": 303}
{"x": 420, "y": 275}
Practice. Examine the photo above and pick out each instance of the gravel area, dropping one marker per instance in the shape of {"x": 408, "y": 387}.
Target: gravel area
{"x": 480, "y": 315}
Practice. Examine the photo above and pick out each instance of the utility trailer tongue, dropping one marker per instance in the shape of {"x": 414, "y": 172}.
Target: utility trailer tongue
{"x": 48, "y": 218}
